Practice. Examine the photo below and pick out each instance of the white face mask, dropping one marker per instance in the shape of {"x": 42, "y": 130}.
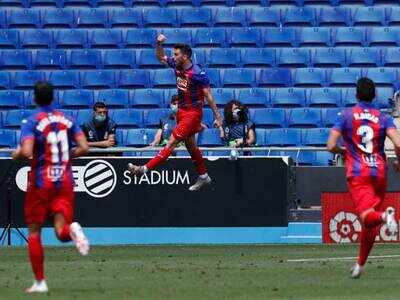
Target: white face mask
{"x": 235, "y": 114}
{"x": 174, "y": 108}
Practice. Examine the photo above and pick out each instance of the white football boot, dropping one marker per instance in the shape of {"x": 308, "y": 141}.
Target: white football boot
{"x": 77, "y": 235}
{"x": 356, "y": 271}
{"x": 200, "y": 182}
{"x": 390, "y": 220}
{"x": 39, "y": 286}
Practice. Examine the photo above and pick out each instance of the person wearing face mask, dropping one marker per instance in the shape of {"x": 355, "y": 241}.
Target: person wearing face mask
{"x": 395, "y": 113}
{"x": 100, "y": 129}
{"x": 237, "y": 130}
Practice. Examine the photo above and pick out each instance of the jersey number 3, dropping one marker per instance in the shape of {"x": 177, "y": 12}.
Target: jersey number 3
{"x": 367, "y": 134}
{"x": 55, "y": 139}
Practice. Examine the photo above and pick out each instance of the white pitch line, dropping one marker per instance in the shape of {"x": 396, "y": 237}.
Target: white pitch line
{"x": 340, "y": 258}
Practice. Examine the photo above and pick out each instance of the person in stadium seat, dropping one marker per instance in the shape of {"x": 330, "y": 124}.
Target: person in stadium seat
{"x": 100, "y": 128}
{"x": 237, "y": 130}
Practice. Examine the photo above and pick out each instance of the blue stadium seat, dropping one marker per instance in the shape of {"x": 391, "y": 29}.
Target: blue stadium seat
{"x": 120, "y": 137}
{"x": 382, "y": 76}
{"x": 58, "y": 18}
{"x": 148, "y": 3}
{"x": 239, "y": 78}
{"x": 333, "y": 16}
{"x": 76, "y": 99}
{"x": 197, "y": 17}
{"x": 146, "y": 58}
{"x": 181, "y": 3}
{"x": 349, "y": 98}
{"x": 11, "y": 99}
{"x": 83, "y": 116}
{"x": 231, "y": 16}
{"x": 5, "y": 80}
{"x": 284, "y": 137}
{"x": 253, "y": 96}
{"x": 128, "y": 117}
{"x": 328, "y": 57}
{"x": 160, "y": 17}
{"x": 316, "y": 137}
{"x": 314, "y": 36}
{"x": 72, "y": 113}
{"x": 223, "y": 58}
{"x": 264, "y": 16}
{"x": 65, "y": 79}
{"x": 214, "y": 2}
{"x": 13, "y": 3}
{"x": 280, "y": 37}
{"x": 27, "y": 79}
{"x": 391, "y": 57}
{"x": 7, "y": 138}
{"x": 309, "y": 77}
{"x": 261, "y": 140}
{"x": 288, "y": 97}
{"x": 70, "y": 38}
{"x": 209, "y": 37}
{"x": 199, "y": 56}
{"x": 127, "y": 17}
{"x": 76, "y": 3}
{"x": 35, "y": 38}
{"x": 363, "y": 57}
{"x": 223, "y": 96}
{"x": 140, "y": 137}
{"x": 210, "y": 137}
{"x": 330, "y": 116}
{"x": 275, "y": 77}
{"x": 177, "y": 36}
{"x": 393, "y": 16}
{"x": 9, "y": 39}
{"x": 153, "y": 116}
{"x": 383, "y": 36}
{"x": 348, "y": 36}
{"x": 84, "y": 59}
{"x": 92, "y": 18}
{"x": 114, "y": 98}
{"x": 106, "y": 38}
{"x": 15, "y": 59}
{"x": 343, "y": 76}
{"x": 25, "y": 18}
{"x": 245, "y": 37}
{"x": 368, "y": 16}
{"x": 293, "y": 57}
{"x": 258, "y": 57}
{"x": 12, "y": 118}
{"x": 215, "y": 77}
{"x": 147, "y": 98}
{"x": 324, "y": 97}
{"x": 3, "y": 19}
{"x": 119, "y": 59}
{"x": 98, "y": 79}
{"x": 299, "y": 16}
{"x": 140, "y": 38}
{"x": 268, "y": 117}
{"x": 323, "y": 158}
{"x": 45, "y": 4}
{"x": 304, "y": 117}
{"x": 163, "y": 78}
{"x": 306, "y": 158}
{"x": 382, "y": 97}
{"x": 133, "y": 79}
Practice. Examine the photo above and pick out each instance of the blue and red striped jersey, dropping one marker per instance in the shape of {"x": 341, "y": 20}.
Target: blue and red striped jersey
{"x": 53, "y": 134}
{"x": 190, "y": 84}
{"x": 363, "y": 128}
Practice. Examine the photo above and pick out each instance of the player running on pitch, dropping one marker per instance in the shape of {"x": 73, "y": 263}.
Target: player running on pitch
{"x": 193, "y": 86}
{"x": 46, "y": 139}
{"x": 364, "y": 129}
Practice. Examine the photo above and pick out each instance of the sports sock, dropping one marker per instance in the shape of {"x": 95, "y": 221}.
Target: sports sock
{"x": 373, "y": 219}
{"x": 64, "y": 234}
{"x": 161, "y": 157}
{"x": 198, "y": 160}
{"x": 36, "y": 255}
{"x": 367, "y": 240}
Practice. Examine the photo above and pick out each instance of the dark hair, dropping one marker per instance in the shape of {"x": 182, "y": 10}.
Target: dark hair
{"x": 99, "y": 104}
{"x": 174, "y": 98}
{"x": 365, "y": 89}
{"x": 185, "y": 49}
{"x": 43, "y": 93}
{"x": 228, "y": 116}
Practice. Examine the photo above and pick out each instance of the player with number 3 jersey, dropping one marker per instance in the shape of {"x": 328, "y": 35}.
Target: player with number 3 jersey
{"x": 46, "y": 139}
{"x": 364, "y": 129}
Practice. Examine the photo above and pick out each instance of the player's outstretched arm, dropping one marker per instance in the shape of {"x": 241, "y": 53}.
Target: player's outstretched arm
{"x": 213, "y": 106}
{"x": 332, "y": 144}
{"x": 81, "y": 148}
{"x": 160, "y": 53}
{"x": 25, "y": 151}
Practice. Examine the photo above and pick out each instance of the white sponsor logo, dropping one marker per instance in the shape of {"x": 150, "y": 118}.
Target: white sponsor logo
{"x": 181, "y": 83}
{"x": 165, "y": 177}
{"x": 344, "y": 227}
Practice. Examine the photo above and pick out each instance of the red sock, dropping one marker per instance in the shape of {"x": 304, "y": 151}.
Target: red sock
{"x": 367, "y": 240}
{"x": 36, "y": 255}
{"x": 373, "y": 219}
{"x": 159, "y": 158}
{"x": 198, "y": 160}
{"x": 64, "y": 234}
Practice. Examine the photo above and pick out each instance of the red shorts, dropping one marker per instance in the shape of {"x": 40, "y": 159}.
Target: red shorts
{"x": 367, "y": 192}
{"x": 188, "y": 123}
{"x": 41, "y": 203}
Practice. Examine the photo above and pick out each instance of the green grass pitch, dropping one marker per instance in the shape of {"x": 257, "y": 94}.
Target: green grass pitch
{"x": 202, "y": 272}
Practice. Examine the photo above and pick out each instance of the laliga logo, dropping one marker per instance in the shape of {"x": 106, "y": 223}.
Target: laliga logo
{"x": 344, "y": 227}
{"x": 98, "y": 178}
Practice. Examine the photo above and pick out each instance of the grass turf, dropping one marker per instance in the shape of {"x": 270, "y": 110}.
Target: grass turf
{"x": 202, "y": 272}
